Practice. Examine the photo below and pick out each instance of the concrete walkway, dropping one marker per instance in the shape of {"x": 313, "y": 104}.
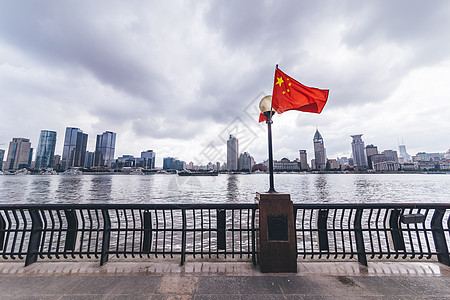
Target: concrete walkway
{"x": 223, "y": 280}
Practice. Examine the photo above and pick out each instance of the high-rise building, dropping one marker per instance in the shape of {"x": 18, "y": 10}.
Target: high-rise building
{"x": 149, "y": 157}
{"x": 391, "y": 155}
{"x": 351, "y": 162}
{"x": 45, "y": 150}
{"x": 172, "y": 163}
{"x": 89, "y": 160}
{"x": 74, "y": 151}
{"x": 232, "y": 153}
{"x": 104, "y": 149}
{"x": 303, "y": 160}
{"x": 246, "y": 162}
{"x": 370, "y": 150}
{"x": 403, "y": 153}
{"x": 19, "y": 154}
{"x": 30, "y": 158}
{"x": 57, "y": 161}
{"x": 319, "y": 152}
{"x": 2, "y": 156}
{"x": 359, "y": 158}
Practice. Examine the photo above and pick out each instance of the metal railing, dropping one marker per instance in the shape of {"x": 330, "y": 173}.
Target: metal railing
{"x": 221, "y": 231}
{"x": 98, "y": 231}
{"x": 389, "y": 231}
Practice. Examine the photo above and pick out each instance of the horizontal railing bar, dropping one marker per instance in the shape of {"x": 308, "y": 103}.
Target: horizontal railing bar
{"x": 129, "y": 206}
{"x": 370, "y": 205}
{"x": 222, "y": 206}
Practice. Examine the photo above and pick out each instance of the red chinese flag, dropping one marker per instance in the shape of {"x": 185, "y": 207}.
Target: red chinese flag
{"x": 289, "y": 94}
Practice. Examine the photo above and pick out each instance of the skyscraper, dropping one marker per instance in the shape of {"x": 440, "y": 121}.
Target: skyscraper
{"x": 303, "y": 160}
{"x": 232, "y": 153}
{"x": 246, "y": 162}
{"x": 74, "y": 151}
{"x": 370, "y": 150}
{"x": 319, "y": 152}
{"x": 89, "y": 160}
{"x": 19, "y": 154}
{"x": 104, "y": 149}
{"x": 149, "y": 156}
{"x": 403, "y": 153}
{"x": 2, "y": 156}
{"x": 359, "y": 158}
{"x": 391, "y": 155}
{"x": 57, "y": 161}
{"x": 45, "y": 150}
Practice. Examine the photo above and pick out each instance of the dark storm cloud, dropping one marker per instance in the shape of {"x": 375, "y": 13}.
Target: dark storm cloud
{"x": 265, "y": 25}
{"x": 401, "y": 22}
{"x": 73, "y": 35}
{"x": 280, "y": 31}
{"x": 177, "y": 69}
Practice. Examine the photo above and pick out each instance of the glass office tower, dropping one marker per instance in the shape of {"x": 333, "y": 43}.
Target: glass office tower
{"x": 45, "y": 150}
{"x": 74, "y": 151}
{"x": 104, "y": 149}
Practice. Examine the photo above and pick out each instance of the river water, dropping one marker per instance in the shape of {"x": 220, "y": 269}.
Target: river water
{"x": 304, "y": 188}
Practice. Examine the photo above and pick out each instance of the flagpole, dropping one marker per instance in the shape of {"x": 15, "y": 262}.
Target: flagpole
{"x": 269, "y": 133}
{"x": 268, "y": 116}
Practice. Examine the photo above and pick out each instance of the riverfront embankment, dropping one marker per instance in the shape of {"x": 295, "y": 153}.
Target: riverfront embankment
{"x": 219, "y": 280}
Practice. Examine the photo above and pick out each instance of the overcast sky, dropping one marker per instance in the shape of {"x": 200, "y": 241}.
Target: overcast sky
{"x": 178, "y": 77}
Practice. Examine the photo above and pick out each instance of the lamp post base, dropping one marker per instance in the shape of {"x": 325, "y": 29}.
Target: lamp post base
{"x": 277, "y": 244}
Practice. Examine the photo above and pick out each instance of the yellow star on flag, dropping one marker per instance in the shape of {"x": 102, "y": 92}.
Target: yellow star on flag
{"x": 279, "y": 80}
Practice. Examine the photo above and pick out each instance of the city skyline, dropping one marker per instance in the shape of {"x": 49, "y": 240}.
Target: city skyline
{"x": 123, "y": 70}
{"x": 75, "y": 143}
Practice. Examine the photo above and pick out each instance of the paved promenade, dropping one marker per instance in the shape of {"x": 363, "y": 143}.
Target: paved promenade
{"x": 222, "y": 280}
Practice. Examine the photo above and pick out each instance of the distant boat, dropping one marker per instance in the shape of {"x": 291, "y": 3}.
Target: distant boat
{"x": 198, "y": 173}
{"x": 22, "y": 172}
{"x": 72, "y": 172}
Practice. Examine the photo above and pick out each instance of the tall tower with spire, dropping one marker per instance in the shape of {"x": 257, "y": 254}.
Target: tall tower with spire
{"x": 319, "y": 152}
{"x": 403, "y": 153}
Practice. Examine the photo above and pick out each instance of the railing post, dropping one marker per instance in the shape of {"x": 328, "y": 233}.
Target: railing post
{"x": 362, "y": 259}
{"x": 254, "y": 237}
{"x": 397, "y": 236}
{"x": 221, "y": 236}
{"x": 72, "y": 229}
{"x": 439, "y": 237}
{"x": 147, "y": 241}
{"x": 322, "y": 216}
{"x": 2, "y": 231}
{"x": 183, "y": 236}
{"x": 106, "y": 236}
{"x": 35, "y": 237}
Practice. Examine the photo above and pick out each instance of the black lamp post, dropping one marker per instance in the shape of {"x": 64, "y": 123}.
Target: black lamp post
{"x": 265, "y": 105}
